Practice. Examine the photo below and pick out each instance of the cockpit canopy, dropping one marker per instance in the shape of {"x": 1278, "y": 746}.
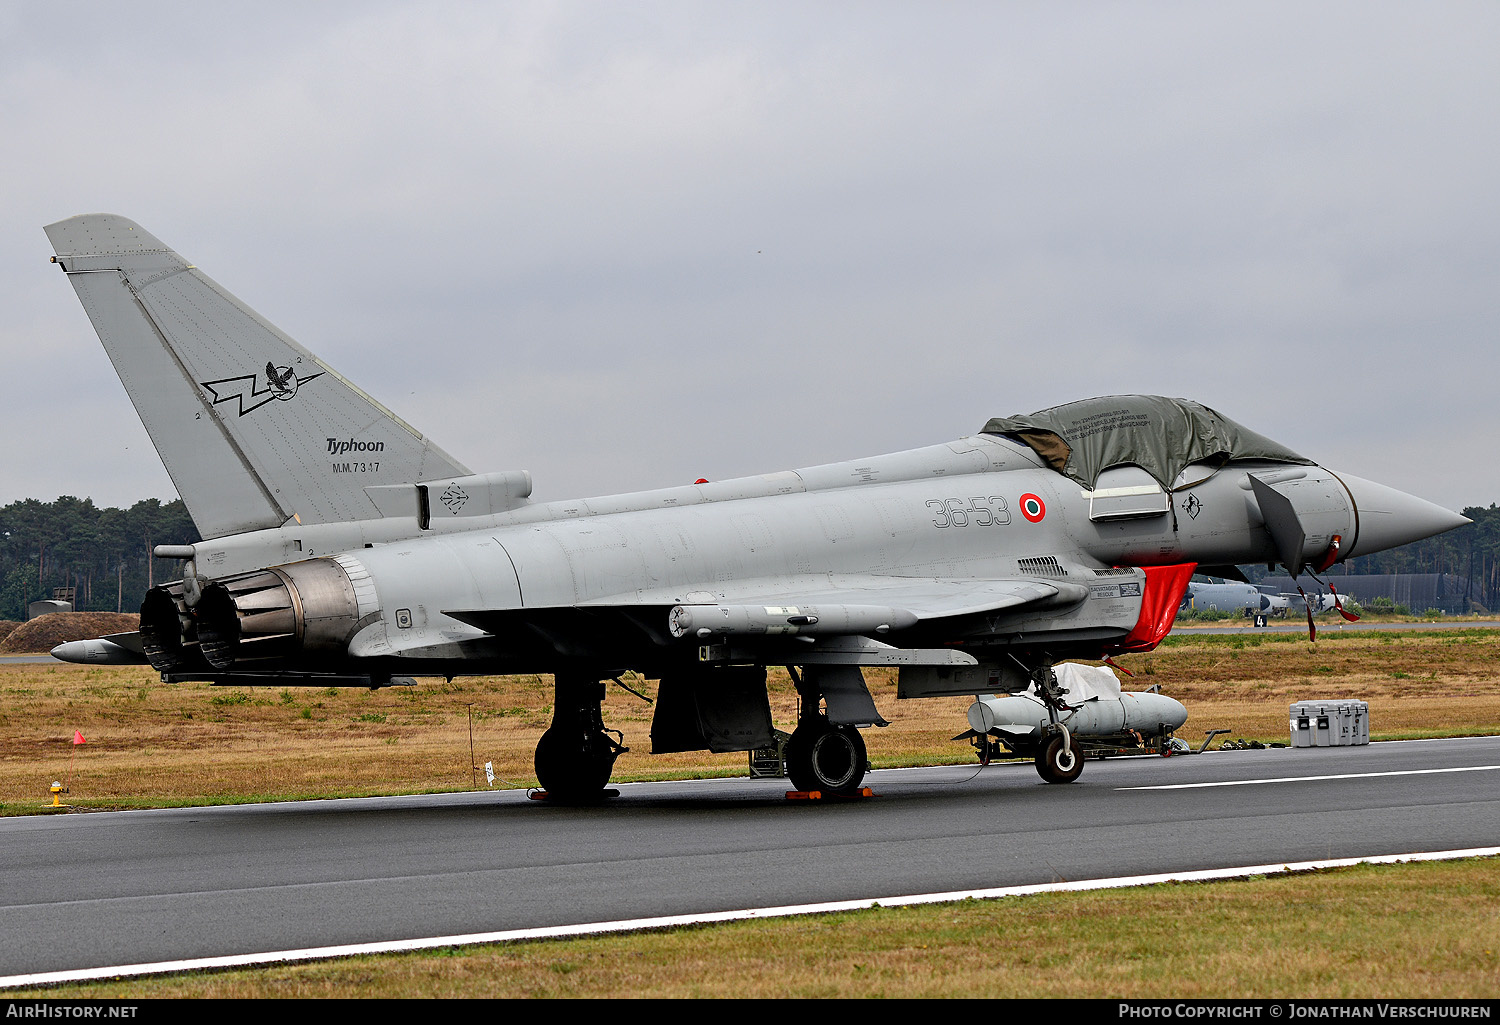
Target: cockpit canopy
{"x": 1160, "y": 435}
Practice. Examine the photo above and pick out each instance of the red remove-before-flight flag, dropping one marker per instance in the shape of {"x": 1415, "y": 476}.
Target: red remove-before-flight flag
{"x": 78, "y": 737}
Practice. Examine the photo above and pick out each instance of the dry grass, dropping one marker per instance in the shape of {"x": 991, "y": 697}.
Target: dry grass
{"x": 150, "y": 744}
{"x": 153, "y": 745}
{"x": 1369, "y": 932}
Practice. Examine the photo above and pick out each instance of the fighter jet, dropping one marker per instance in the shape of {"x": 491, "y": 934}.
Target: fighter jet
{"x": 342, "y": 547}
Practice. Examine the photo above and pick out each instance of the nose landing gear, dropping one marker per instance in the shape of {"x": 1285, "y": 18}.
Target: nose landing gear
{"x": 1059, "y": 760}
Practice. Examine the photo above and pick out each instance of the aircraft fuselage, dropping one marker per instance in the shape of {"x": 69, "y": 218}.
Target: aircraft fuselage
{"x": 983, "y": 508}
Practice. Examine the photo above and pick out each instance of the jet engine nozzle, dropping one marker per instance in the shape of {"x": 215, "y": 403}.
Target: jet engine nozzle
{"x": 165, "y": 627}
{"x": 304, "y": 609}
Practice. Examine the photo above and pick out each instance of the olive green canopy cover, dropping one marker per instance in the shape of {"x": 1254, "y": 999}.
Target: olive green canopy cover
{"x": 1160, "y": 435}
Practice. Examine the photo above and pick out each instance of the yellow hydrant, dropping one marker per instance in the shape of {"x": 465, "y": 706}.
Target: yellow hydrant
{"x": 57, "y": 788}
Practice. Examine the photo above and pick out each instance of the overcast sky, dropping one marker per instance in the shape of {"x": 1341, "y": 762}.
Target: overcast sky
{"x": 627, "y": 245}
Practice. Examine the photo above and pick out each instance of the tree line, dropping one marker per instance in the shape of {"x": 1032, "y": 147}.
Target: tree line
{"x": 1471, "y": 551}
{"x": 104, "y": 555}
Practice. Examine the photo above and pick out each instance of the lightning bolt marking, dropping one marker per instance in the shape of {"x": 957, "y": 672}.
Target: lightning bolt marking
{"x": 244, "y": 386}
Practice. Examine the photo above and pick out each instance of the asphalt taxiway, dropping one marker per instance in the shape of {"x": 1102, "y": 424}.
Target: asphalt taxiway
{"x": 119, "y": 888}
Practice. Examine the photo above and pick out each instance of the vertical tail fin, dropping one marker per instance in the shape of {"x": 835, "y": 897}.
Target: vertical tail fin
{"x": 254, "y": 429}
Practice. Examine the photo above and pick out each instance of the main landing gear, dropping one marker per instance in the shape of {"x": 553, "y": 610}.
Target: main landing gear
{"x": 826, "y": 753}
{"x": 822, "y": 756}
{"x": 576, "y": 755}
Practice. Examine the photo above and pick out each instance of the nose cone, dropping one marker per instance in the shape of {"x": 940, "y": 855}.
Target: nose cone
{"x": 1388, "y": 518}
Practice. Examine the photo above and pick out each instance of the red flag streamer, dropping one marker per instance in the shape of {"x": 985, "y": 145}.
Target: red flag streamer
{"x": 77, "y": 739}
{"x": 1337, "y": 604}
{"x": 1312, "y": 630}
{"x": 1348, "y": 616}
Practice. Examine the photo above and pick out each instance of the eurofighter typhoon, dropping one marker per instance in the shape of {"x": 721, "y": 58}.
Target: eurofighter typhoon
{"x": 342, "y": 547}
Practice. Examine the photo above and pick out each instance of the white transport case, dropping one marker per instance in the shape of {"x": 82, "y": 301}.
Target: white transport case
{"x": 1335, "y": 723}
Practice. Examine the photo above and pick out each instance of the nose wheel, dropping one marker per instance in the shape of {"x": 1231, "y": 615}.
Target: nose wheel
{"x": 1059, "y": 760}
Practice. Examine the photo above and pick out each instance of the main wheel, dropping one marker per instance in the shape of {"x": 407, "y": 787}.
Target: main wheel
{"x": 828, "y": 758}
{"x": 1056, "y": 767}
{"x": 572, "y": 767}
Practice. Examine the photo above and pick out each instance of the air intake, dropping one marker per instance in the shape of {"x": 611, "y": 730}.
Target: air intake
{"x": 1042, "y": 566}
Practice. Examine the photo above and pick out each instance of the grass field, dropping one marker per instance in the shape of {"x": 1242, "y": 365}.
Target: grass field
{"x": 1414, "y": 931}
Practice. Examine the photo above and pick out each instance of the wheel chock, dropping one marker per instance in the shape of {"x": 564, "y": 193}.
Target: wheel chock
{"x": 542, "y": 795}
{"x": 829, "y": 795}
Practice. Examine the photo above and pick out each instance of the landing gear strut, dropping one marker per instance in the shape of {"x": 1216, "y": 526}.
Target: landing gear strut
{"x": 575, "y": 756}
{"x": 821, "y": 755}
{"x": 1059, "y": 760}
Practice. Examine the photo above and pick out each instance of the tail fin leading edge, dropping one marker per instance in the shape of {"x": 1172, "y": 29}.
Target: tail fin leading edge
{"x": 252, "y": 427}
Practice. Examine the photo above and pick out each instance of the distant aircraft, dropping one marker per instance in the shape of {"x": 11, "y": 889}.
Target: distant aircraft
{"x": 1253, "y": 603}
{"x": 1228, "y": 596}
{"x": 1320, "y": 602}
{"x": 343, "y": 548}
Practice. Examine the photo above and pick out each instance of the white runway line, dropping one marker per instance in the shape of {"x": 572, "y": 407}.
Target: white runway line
{"x": 671, "y": 921}
{"x": 1311, "y": 779}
